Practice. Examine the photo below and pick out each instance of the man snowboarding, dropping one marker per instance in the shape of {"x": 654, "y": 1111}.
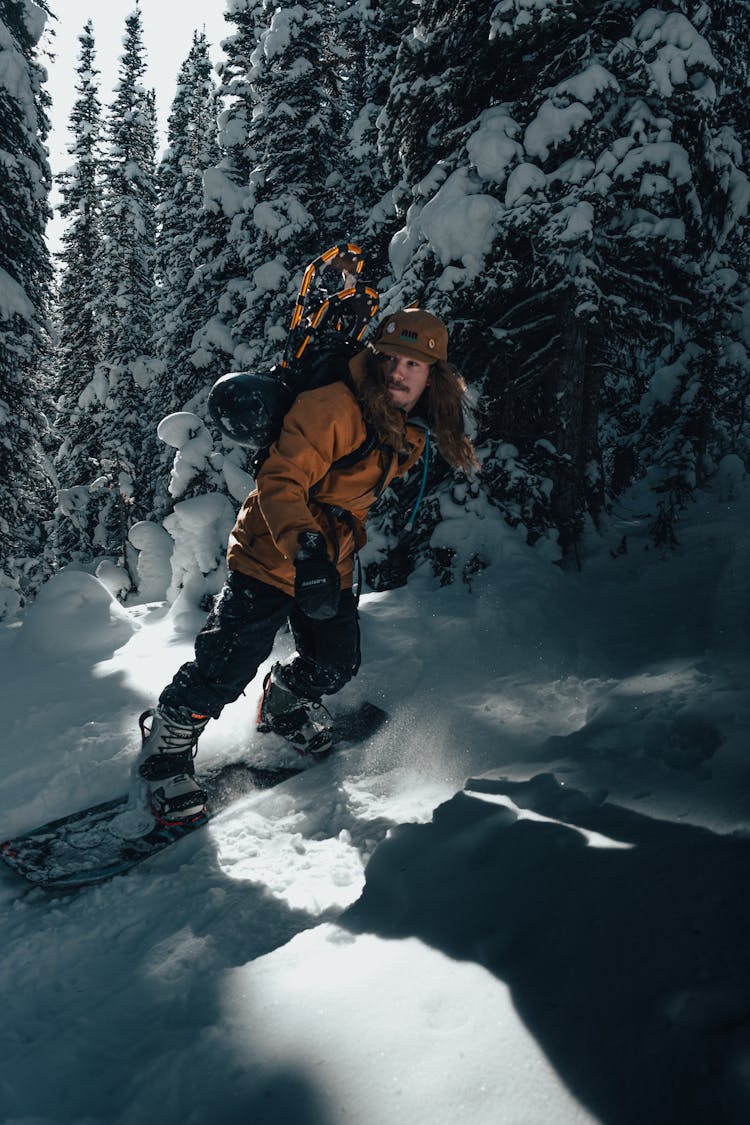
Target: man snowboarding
{"x": 292, "y": 551}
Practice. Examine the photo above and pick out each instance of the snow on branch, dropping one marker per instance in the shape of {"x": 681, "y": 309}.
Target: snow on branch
{"x": 676, "y": 54}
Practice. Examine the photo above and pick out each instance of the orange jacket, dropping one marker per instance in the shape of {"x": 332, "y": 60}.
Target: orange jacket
{"x": 321, "y": 426}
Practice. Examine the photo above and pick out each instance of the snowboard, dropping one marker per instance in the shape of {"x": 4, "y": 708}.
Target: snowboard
{"x": 108, "y": 839}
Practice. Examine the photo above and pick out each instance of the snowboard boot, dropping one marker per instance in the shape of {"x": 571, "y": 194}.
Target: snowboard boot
{"x": 304, "y": 723}
{"x": 166, "y": 764}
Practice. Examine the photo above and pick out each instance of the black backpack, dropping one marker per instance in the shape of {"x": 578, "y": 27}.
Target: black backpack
{"x": 325, "y": 332}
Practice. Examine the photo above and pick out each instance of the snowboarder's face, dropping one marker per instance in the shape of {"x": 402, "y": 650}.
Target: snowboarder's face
{"x": 405, "y": 380}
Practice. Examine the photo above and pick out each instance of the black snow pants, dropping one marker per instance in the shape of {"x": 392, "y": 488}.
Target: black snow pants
{"x": 239, "y": 634}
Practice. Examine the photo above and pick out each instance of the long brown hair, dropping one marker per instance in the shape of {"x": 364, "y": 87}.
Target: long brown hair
{"x": 444, "y": 405}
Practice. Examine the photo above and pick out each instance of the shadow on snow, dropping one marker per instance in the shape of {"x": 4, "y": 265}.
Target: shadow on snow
{"x": 627, "y": 952}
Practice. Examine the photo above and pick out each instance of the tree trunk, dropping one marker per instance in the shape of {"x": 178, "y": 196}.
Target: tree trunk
{"x": 573, "y": 390}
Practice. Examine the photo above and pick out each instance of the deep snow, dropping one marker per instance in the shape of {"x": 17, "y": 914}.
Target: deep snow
{"x": 561, "y": 938}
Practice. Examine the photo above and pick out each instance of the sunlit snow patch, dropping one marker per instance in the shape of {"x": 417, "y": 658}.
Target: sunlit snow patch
{"x": 389, "y": 1031}
{"x": 75, "y": 615}
{"x": 272, "y": 844}
{"x": 593, "y": 839}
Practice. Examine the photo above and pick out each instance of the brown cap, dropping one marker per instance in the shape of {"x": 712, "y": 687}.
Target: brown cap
{"x": 414, "y": 333}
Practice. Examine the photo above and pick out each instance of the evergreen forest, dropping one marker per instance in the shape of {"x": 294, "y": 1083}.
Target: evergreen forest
{"x": 565, "y": 182}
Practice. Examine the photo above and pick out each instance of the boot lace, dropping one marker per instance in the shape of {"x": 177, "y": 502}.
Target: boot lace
{"x": 175, "y": 731}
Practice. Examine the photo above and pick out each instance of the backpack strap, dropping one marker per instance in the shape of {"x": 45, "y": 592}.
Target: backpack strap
{"x": 334, "y": 512}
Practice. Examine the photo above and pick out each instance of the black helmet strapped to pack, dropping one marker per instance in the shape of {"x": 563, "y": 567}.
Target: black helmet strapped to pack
{"x": 249, "y": 408}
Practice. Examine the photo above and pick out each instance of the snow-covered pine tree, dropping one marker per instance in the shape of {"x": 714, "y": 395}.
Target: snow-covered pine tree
{"x": 627, "y": 190}
{"x": 561, "y": 232}
{"x": 368, "y": 37}
{"x": 183, "y": 295}
{"x": 492, "y": 245}
{"x": 292, "y": 143}
{"x": 562, "y": 279}
{"x": 25, "y": 277}
{"x": 225, "y": 193}
{"x": 693, "y": 180}
{"x": 280, "y": 187}
{"x": 439, "y": 83}
{"x": 442, "y": 79}
{"x": 175, "y": 214}
{"x": 79, "y": 346}
{"x": 725, "y": 23}
{"x": 127, "y": 368}
{"x": 731, "y": 45}
{"x": 192, "y": 147}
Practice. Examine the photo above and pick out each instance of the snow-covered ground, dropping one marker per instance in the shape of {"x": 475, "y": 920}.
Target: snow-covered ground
{"x": 523, "y": 903}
